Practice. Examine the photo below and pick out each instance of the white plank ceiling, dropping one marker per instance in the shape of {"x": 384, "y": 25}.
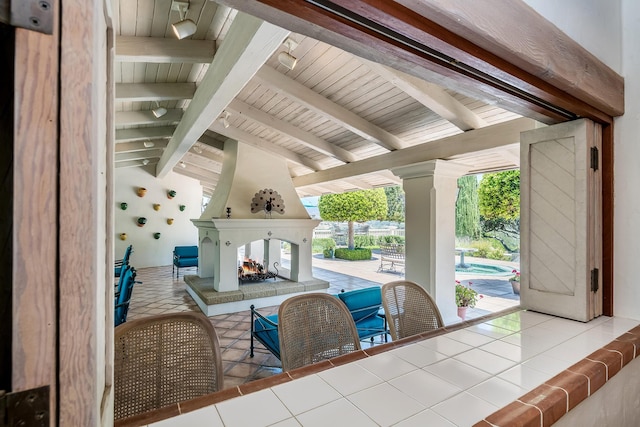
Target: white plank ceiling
{"x": 333, "y": 109}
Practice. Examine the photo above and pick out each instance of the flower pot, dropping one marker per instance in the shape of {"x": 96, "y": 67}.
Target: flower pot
{"x": 462, "y": 312}
{"x": 516, "y": 287}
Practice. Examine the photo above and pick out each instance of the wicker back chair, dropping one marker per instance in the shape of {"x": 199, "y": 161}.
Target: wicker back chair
{"x": 164, "y": 359}
{"x": 314, "y": 327}
{"x": 409, "y": 309}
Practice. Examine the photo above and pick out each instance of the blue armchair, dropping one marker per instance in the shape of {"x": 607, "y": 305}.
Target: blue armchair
{"x": 184, "y": 256}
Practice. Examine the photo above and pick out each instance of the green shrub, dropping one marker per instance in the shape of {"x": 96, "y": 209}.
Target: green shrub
{"x": 319, "y": 244}
{"x": 328, "y": 253}
{"x": 488, "y": 248}
{"x": 390, "y": 239}
{"x": 353, "y": 254}
{"x": 496, "y": 253}
{"x": 365, "y": 241}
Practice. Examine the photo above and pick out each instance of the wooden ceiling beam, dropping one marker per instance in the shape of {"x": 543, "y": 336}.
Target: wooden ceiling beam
{"x": 210, "y": 139}
{"x": 128, "y": 147}
{"x": 142, "y": 134}
{"x": 431, "y": 96}
{"x": 146, "y": 117}
{"x": 334, "y": 112}
{"x": 472, "y": 141}
{"x": 130, "y": 92}
{"x": 249, "y": 43}
{"x": 269, "y": 147}
{"x": 300, "y": 136}
{"x": 160, "y": 50}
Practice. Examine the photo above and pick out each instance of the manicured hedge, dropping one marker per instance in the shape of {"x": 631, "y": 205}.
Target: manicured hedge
{"x": 356, "y": 254}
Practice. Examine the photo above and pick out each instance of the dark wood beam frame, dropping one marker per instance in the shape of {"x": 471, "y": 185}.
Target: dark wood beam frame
{"x": 510, "y": 56}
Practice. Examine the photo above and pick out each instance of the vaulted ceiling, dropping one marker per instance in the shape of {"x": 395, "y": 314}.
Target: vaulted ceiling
{"x": 339, "y": 120}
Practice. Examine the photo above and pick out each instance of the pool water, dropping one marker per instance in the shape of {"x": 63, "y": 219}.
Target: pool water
{"x": 486, "y": 269}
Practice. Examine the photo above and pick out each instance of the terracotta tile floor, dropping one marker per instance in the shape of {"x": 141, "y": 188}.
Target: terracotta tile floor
{"x": 160, "y": 292}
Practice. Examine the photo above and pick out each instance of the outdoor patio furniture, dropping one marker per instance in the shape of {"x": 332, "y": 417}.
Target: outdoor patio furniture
{"x": 123, "y": 292}
{"x": 165, "y": 359}
{"x": 184, "y": 256}
{"x": 409, "y": 309}
{"x": 391, "y": 256}
{"x": 117, "y": 265}
{"x": 314, "y": 327}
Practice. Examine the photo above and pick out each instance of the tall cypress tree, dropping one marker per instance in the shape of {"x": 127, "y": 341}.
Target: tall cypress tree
{"x": 467, "y": 212}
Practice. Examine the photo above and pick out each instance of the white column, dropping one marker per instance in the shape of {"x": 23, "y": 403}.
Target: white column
{"x": 430, "y": 197}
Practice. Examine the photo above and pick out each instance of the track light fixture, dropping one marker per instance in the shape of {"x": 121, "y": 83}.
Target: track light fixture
{"x": 159, "y": 111}
{"x": 183, "y": 165}
{"x": 148, "y": 144}
{"x": 285, "y": 58}
{"x": 145, "y": 162}
{"x": 184, "y": 27}
{"x": 224, "y": 119}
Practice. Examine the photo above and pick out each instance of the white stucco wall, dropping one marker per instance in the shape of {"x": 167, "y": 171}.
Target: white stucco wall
{"x": 610, "y": 29}
{"x": 147, "y": 251}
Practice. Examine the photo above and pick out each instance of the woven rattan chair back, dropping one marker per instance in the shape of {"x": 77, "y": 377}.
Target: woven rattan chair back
{"x": 165, "y": 359}
{"x": 314, "y": 327}
{"x": 409, "y": 309}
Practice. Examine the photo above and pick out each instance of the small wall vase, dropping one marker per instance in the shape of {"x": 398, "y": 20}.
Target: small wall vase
{"x": 169, "y": 221}
{"x": 141, "y": 191}
{"x": 171, "y": 194}
{"x": 156, "y": 206}
{"x": 142, "y": 221}
{"x": 462, "y": 312}
{"x": 182, "y": 208}
{"x": 123, "y": 236}
{"x": 124, "y": 206}
{"x": 156, "y": 236}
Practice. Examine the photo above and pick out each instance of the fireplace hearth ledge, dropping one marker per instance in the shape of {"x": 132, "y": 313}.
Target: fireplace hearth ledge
{"x": 262, "y": 294}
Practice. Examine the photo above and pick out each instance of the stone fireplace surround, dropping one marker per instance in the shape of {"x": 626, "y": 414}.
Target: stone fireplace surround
{"x": 229, "y": 223}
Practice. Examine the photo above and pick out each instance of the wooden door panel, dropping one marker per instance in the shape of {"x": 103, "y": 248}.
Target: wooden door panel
{"x": 558, "y": 214}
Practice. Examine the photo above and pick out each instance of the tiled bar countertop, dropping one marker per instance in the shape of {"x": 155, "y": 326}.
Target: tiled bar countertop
{"x": 459, "y": 378}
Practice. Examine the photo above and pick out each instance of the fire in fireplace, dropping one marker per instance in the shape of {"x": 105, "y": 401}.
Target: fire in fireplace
{"x": 253, "y": 271}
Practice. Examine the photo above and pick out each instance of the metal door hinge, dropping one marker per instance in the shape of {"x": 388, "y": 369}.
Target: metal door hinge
{"x": 35, "y": 15}
{"x": 594, "y": 280}
{"x": 594, "y": 158}
{"x": 25, "y": 408}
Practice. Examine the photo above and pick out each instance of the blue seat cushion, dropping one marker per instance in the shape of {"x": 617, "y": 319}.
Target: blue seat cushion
{"x": 370, "y": 327}
{"x": 362, "y": 303}
{"x": 267, "y": 333}
{"x": 186, "y": 251}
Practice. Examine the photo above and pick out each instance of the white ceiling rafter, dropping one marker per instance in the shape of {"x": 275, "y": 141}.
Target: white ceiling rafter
{"x": 143, "y": 134}
{"x": 154, "y": 91}
{"x": 303, "y": 137}
{"x": 161, "y": 50}
{"x": 248, "y": 45}
{"x": 146, "y": 117}
{"x": 336, "y": 113}
{"x": 431, "y": 96}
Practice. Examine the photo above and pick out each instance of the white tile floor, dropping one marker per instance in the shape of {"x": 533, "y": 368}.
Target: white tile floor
{"x": 451, "y": 380}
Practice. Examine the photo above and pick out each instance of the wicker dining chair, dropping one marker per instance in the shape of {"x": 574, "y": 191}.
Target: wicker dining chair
{"x": 164, "y": 359}
{"x": 409, "y": 309}
{"x": 314, "y": 327}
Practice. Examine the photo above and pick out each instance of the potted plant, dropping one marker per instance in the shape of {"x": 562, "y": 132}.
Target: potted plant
{"x": 465, "y": 297}
{"x": 515, "y": 282}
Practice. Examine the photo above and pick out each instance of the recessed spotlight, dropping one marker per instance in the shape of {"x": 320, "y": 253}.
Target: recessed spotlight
{"x": 149, "y": 144}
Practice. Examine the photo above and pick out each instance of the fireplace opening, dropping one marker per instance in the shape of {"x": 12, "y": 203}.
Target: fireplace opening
{"x": 253, "y": 271}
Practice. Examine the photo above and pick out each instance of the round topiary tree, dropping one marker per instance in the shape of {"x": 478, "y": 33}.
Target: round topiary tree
{"x": 354, "y": 206}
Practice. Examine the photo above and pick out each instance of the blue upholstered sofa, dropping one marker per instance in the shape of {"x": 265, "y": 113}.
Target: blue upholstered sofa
{"x": 364, "y": 305}
{"x": 184, "y": 256}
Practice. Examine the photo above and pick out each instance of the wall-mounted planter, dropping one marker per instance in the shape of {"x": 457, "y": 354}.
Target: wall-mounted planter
{"x": 156, "y": 236}
{"x": 169, "y": 221}
{"x": 182, "y": 208}
{"x": 123, "y": 236}
{"x": 142, "y": 221}
{"x": 141, "y": 191}
{"x": 171, "y": 194}
{"x": 124, "y": 206}
{"x": 156, "y": 206}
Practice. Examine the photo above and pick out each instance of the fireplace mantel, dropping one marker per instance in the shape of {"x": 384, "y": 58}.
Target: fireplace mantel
{"x": 219, "y": 239}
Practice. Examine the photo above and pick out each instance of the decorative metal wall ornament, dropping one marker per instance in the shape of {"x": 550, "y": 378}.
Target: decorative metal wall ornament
{"x": 269, "y": 201}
